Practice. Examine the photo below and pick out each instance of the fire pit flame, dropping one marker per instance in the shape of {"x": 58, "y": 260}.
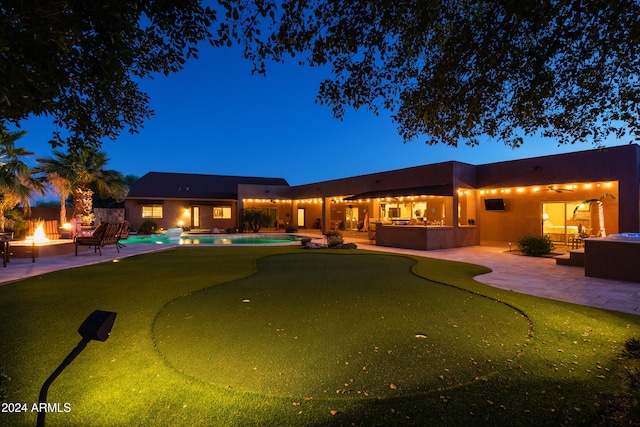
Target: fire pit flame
{"x": 38, "y": 236}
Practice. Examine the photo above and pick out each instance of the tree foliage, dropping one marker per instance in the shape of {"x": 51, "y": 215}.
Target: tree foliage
{"x": 449, "y": 71}
{"x": 80, "y": 61}
{"x": 18, "y": 182}
{"x": 81, "y": 173}
{"x": 455, "y": 70}
{"x": 254, "y": 219}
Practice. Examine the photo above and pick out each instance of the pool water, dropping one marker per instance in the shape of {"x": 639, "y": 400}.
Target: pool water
{"x": 218, "y": 239}
{"x": 633, "y": 237}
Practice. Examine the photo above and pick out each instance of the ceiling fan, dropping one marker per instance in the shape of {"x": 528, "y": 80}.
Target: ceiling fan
{"x": 558, "y": 190}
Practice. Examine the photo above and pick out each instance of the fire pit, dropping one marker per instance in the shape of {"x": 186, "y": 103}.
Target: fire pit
{"x": 39, "y": 245}
{"x": 25, "y": 249}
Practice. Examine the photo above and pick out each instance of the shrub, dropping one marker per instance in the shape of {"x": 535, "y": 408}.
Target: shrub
{"x": 254, "y": 219}
{"x": 14, "y": 221}
{"x": 334, "y": 238}
{"x": 632, "y": 349}
{"x": 291, "y": 228}
{"x": 533, "y": 245}
{"x": 148, "y": 226}
{"x": 230, "y": 230}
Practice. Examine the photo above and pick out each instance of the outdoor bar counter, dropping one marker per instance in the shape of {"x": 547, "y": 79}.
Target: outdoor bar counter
{"x": 426, "y": 237}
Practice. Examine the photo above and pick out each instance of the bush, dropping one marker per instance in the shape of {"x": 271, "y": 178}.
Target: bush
{"x": 291, "y": 228}
{"x": 148, "y": 226}
{"x": 230, "y": 230}
{"x": 334, "y": 238}
{"x": 254, "y": 219}
{"x": 15, "y": 222}
{"x": 632, "y": 349}
{"x": 533, "y": 245}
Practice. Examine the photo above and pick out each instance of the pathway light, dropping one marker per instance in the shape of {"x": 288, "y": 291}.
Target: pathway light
{"x": 96, "y": 327}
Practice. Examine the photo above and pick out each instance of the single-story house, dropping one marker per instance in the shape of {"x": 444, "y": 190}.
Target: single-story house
{"x": 192, "y": 200}
{"x": 434, "y": 206}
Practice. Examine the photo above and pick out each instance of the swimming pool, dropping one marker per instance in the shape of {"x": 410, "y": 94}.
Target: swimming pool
{"x": 217, "y": 239}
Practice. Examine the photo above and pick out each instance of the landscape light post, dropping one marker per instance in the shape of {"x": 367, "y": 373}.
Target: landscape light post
{"x": 95, "y": 327}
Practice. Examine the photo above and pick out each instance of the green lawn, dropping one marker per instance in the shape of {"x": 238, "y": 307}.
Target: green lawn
{"x": 285, "y": 336}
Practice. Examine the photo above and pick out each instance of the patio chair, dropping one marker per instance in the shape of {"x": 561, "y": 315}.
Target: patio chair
{"x": 104, "y": 234}
{"x": 123, "y": 234}
{"x": 372, "y": 232}
{"x": 5, "y": 238}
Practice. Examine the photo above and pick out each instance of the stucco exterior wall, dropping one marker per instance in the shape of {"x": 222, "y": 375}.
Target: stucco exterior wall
{"x": 523, "y": 211}
{"x": 175, "y": 212}
{"x": 617, "y": 164}
{"x": 434, "y": 174}
{"x": 312, "y": 212}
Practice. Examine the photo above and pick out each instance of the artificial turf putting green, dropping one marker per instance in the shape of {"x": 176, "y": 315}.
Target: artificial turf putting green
{"x": 570, "y": 372}
{"x": 330, "y": 325}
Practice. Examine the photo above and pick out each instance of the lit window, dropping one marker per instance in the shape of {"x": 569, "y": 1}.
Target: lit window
{"x": 152, "y": 211}
{"x": 222, "y": 212}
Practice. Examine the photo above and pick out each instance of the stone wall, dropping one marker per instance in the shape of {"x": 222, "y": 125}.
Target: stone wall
{"x": 108, "y": 215}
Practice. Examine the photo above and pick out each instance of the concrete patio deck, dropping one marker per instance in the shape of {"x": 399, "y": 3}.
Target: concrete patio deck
{"x": 22, "y": 268}
{"x": 534, "y": 276}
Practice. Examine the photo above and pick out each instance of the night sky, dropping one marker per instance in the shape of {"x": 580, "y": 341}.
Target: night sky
{"x": 214, "y": 117}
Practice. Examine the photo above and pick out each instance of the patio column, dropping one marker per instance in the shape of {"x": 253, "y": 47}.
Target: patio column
{"x": 326, "y": 214}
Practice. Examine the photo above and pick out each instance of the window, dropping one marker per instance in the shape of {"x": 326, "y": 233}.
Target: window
{"x": 152, "y": 211}
{"x": 222, "y": 212}
{"x": 195, "y": 216}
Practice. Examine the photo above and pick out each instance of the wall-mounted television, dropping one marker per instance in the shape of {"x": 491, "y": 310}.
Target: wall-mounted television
{"x": 494, "y": 204}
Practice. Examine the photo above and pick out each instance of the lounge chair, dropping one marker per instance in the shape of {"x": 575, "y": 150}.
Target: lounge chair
{"x": 104, "y": 234}
{"x": 123, "y": 234}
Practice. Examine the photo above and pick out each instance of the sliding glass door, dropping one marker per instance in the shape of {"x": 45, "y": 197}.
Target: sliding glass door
{"x": 563, "y": 220}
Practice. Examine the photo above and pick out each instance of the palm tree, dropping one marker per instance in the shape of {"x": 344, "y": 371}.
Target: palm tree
{"x": 599, "y": 212}
{"x": 58, "y": 172}
{"x": 254, "y": 219}
{"x": 62, "y": 187}
{"x": 76, "y": 172}
{"x": 17, "y": 179}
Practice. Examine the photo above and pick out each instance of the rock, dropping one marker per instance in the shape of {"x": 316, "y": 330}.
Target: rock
{"x": 345, "y": 246}
{"x": 314, "y": 245}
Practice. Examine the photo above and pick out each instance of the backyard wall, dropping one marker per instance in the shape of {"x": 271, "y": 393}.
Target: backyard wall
{"x": 108, "y": 214}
